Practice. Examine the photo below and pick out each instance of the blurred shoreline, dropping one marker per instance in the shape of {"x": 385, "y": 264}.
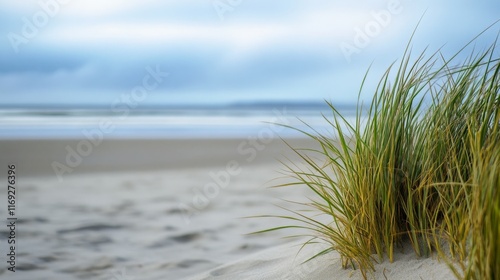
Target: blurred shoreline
{"x": 235, "y": 121}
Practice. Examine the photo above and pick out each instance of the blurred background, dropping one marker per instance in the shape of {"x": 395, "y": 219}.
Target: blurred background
{"x": 210, "y": 68}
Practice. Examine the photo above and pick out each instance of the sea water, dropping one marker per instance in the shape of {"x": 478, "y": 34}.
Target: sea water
{"x": 173, "y": 122}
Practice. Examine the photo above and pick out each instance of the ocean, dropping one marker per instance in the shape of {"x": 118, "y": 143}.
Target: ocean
{"x": 227, "y": 121}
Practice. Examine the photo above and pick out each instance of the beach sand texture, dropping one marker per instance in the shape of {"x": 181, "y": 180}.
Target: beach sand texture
{"x": 288, "y": 262}
{"x": 134, "y": 209}
{"x": 127, "y": 209}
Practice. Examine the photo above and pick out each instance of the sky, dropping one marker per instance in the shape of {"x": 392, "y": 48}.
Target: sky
{"x": 166, "y": 52}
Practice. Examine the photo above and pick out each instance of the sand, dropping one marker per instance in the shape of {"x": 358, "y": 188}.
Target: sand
{"x": 288, "y": 262}
{"x": 163, "y": 209}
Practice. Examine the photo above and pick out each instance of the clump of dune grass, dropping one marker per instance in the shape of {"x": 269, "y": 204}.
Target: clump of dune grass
{"x": 420, "y": 164}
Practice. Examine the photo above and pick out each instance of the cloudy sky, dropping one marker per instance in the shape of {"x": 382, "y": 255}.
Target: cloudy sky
{"x": 218, "y": 51}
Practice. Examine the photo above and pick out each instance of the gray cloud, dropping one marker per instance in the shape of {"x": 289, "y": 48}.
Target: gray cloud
{"x": 286, "y": 56}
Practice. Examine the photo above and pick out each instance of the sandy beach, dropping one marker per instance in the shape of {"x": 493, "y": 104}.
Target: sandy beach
{"x": 164, "y": 209}
{"x": 288, "y": 262}
{"x": 154, "y": 140}
{"x": 142, "y": 209}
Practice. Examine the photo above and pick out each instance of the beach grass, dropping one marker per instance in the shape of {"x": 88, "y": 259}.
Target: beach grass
{"x": 421, "y": 164}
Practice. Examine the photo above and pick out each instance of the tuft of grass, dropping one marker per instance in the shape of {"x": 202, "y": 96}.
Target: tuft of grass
{"x": 420, "y": 164}
{"x": 484, "y": 253}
